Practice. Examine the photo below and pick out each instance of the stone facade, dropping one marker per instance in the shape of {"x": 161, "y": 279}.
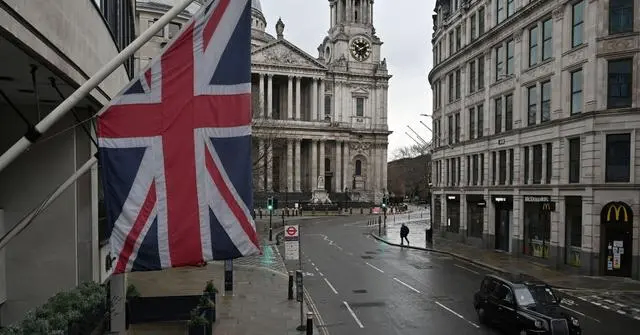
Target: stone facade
{"x": 535, "y": 121}
{"x": 320, "y": 123}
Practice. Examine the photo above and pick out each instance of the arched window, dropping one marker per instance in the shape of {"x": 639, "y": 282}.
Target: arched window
{"x": 327, "y": 165}
{"x": 358, "y": 167}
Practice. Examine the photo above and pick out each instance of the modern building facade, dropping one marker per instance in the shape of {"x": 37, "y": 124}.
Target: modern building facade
{"x": 535, "y": 120}
{"x": 320, "y": 122}
{"x": 48, "y": 49}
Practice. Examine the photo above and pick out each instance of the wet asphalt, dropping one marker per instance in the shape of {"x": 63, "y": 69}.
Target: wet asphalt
{"x": 363, "y": 286}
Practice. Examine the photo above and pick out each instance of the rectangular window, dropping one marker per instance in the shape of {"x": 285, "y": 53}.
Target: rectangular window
{"x": 450, "y": 119}
{"x": 480, "y": 21}
{"x": 620, "y": 16}
{"x": 526, "y": 165}
{"x": 510, "y": 181}
{"x": 500, "y": 11}
{"x": 574, "y": 160}
{"x": 481, "y": 73}
{"x": 508, "y": 112}
{"x": 493, "y": 168}
{"x": 576, "y": 92}
{"x": 497, "y": 121}
{"x": 174, "y": 29}
{"x": 502, "y": 164}
{"x": 459, "y": 170}
{"x": 472, "y": 20}
{"x": 533, "y": 105}
{"x": 620, "y": 83}
{"x": 359, "y": 106}
{"x": 577, "y": 24}
{"x": 327, "y": 105}
{"x": 475, "y": 170}
{"x": 451, "y": 43}
{"x": 472, "y": 76}
{"x": 458, "y": 38}
{"x": 545, "y": 105}
{"x": 454, "y": 172}
{"x": 472, "y": 123}
{"x": 549, "y": 162}
{"x": 547, "y": 39}
{"x": 457, "y": 116}
{"x": 468, "y": 170}
{"x": 510, "y": 46}
{"x": 537, "y": 164}
{"x": 435, "y": 55}
{"x": 533, "y": 46}
{"x": 618, "y": 161}
{"x": 447, "y": 174}
{"x": 451, "y": 86}
{"x": 458, "y": 84}
{"x": 480, "y": 111}
{"x": 499, "y": 62}
{"x": 481, "y": 169}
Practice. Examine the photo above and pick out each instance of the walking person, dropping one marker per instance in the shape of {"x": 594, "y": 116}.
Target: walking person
{"x": 404, "y": 231}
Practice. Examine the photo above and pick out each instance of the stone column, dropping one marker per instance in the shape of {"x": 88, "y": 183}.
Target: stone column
{"x": 338, "y": 171}
{"x": 384, "y": 167}
{"x": 261, "y": 97}
{"x": 375, "y": 173}
{"x": 346, "y": 172}
{"x": 313, "y": 176}
{"x": 321, "y": 166}
{"x": 298, "y": 164}
{"x": 321, "y": 102}
{"x": 290, "y": 98}
{"x": 314, "y": 100}
{"x": 289, "y": 165}
{"x": 269, "y": 96}
{"x": 261, "y": 155}
{"x": 298, "y": 104}
{"x": 269, "y": 163}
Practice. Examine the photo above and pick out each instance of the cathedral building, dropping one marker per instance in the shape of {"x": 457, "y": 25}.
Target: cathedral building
{"x": 320, "y": 122}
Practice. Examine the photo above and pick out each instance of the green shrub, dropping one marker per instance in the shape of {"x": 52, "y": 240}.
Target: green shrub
{"x": 77, "y": 311}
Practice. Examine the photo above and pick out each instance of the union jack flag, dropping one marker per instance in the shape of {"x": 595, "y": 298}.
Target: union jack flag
{"x": 175, "y": 149}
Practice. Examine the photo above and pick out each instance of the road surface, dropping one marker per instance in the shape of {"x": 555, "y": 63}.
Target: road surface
{"x": 363, "y": 286}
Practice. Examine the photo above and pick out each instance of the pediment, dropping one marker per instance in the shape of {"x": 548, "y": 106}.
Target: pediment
{"x": 360, "y": 92}
{"x": 284, "y": 53}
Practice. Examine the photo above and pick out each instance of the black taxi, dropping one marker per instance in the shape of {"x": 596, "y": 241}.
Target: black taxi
{"x": 520, "y": 306}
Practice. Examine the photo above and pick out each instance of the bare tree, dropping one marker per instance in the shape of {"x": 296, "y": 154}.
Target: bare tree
{"x": 411, "y": 151}
{"x": 265, "y": 130}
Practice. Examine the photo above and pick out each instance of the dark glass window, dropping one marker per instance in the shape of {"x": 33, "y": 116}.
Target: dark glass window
{"x": 472, "y": 76}
{"x": 537, "y": 164}
{"x": 620, "y": 83}
{"x": 458, "y": 38}
{"x": 511, "y": 165}
{"x": 533, "y": 104}
{"x": 480, "y": 73}
{"x": 576, "y": 92}
{"x": 450, "y": 119}
{"x": 547, "y": 39}
{"x": 510, "y": 46}
{"x": 358, "y": 167}
{"x": 526, "y": 165}
{"x": 620, "y": 16}
{"x": 451, "y": 86}
{"x": 498, "y": 115}
{"x": 468, "y": 170}
{"x": 501, "y": 15}
{"x": 549, "y": 161}
{"x": 457, "y": 116}
{"x": 545, "y": 109}
{"x": 533, "y": 46}
{"x": 499, "y": 62}
{"x": 503, "y": 167}
{"x": 473, "y": 26}
{"x": 458, "y": 84}
{"x": 327, "y": 105}
{"x": 481, "y": 169}
{"x": 480, "y": 111}
{"x": 359, "y": 106}
{"x": 475, "y": 169}
{"x": 472, "y": 123}
{"x": 577, "y": 24}
{"x": 618, "y": 158}
{"x": 508, "y": 111}
{"x": 494, "y": 168}
{"x": 480, "y": 21}
{"x": 574, "y": 160}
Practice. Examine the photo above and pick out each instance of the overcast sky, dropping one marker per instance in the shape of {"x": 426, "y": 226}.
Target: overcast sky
{"x": 405, "y": 27}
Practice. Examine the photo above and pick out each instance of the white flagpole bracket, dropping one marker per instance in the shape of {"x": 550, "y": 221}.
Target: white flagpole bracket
{"x": 93, "y": 82}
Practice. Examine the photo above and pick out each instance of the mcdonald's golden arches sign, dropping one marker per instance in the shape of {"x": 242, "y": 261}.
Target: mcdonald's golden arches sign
{"x": 617, "y": 212}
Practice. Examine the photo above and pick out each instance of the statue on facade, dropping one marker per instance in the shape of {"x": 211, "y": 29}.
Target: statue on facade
{"x": 280, "y": 28}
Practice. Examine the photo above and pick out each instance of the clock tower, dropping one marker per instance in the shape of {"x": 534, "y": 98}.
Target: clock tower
{"x": 351, "y": 37}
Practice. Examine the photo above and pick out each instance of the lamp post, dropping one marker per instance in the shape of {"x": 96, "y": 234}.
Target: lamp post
{"x": 346, "y": 198}
{"x": 286, "y": 199}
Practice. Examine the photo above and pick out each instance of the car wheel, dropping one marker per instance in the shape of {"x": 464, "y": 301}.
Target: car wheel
{"x": 523, "y": 332}
{"x": 481, "y": 315}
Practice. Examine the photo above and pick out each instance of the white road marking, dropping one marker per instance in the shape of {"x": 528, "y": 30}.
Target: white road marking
{"x": 350, "y": 253}
{"x": 405, "y": 284}
{"x": 317, "y": 269}
{"x": 456, "y": 314}
{"x": 353, "y": 314}
{"x": 465, "y": 268}
{"x": 313, "y": 264}
{"x": 374, "y": 267}
{"x": 637, "y": 317}
{"x": 621, "y": 312}
{"x": 339, "y": 247}
{"x": 330, "y": 286}
{"x": 320, "y": 273}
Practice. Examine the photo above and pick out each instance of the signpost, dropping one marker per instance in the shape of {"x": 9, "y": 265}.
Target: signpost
{"x": 292, "y": 252}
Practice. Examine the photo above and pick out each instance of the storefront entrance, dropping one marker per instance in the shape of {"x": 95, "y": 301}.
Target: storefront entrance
{"x": 503, "y": 206}
{"x": 616, "y": 224}
{"x": 453, "y": 213}
{"x": 537, "y": 225}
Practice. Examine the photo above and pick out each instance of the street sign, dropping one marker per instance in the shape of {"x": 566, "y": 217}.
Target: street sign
{"x": 291, "y": 242}
{"x": 299, "y": 286}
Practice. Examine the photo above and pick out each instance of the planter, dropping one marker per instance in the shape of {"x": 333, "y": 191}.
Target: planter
{"x": 155, "y": 309}
{"x": 200, "y": 330}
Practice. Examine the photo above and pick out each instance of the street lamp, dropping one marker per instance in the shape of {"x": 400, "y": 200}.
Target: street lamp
{"x": 286, "y": 199}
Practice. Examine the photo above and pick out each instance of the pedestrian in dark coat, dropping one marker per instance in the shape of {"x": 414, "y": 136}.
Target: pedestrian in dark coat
{"x": 404, "y": 232}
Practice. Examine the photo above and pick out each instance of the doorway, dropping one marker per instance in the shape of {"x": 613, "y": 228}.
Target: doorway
{"x": 502, "y": 229}
{"x": 327, "y": 182}
{"x": 616, "y": 224}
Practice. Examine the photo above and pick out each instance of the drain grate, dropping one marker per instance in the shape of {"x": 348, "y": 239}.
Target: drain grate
{"x": 360, "y": 291}
{"x": 422, "y": 266}
{"x": 367, "y": 257}
{"x": 371, "y": 252}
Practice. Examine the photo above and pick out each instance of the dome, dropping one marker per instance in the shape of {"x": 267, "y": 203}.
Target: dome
{"x": 255, "y": 4}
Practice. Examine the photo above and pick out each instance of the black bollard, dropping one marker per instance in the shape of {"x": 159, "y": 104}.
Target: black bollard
{"x": 309, "y": 323}
{"x": 379, "y": 227}
{"x": 290, "y": 295}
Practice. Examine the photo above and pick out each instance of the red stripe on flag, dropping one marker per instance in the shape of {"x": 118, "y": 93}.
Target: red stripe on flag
{"x": 230, "y": 200}
{"x": 136, "y": 230}
{"x": 212, "y": 23}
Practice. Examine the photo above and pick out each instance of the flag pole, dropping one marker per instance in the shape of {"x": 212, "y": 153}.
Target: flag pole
{"x": 93, "y": 82}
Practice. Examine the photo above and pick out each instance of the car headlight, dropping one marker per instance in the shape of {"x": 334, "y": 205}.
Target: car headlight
{"x": 537, "y": 323}
{"x": 575, "y": 322}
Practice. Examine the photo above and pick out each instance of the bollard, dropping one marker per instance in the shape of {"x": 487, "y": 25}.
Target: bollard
{"x": 379, "y": 228}
{"x": 309, "y": 323}
{"x": 290, "y": 295}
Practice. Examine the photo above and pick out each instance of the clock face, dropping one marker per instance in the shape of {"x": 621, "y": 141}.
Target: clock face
{"x": 360, "y": 49}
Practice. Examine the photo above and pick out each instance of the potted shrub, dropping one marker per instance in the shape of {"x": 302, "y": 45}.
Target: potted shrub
{"x": 208, "y": 302}
{"x": 198, "y": 324}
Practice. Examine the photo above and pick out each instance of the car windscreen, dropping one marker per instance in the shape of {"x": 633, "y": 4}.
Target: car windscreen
{"x": 535, "y": 294}
{"x": 524, "y": 296}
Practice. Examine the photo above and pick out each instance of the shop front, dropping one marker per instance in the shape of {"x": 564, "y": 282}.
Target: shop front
{"x": 453, "y": 213}
{"x": 475, "y": 215}
{"x": 537, "y": 225}
{"x": 437, "y": 213}
{"x": 616, "y": 224}
{"x": 503, "y": 205}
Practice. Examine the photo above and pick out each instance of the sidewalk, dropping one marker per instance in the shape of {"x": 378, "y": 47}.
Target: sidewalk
{"x": 257, "y": 305}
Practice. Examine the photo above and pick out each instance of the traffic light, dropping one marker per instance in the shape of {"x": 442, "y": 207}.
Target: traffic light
{"x": 384, "y": 201}
{"x": 270, "y": 203}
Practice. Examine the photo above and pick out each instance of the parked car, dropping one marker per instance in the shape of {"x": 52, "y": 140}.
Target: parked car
{"x": 523, "y": 307}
